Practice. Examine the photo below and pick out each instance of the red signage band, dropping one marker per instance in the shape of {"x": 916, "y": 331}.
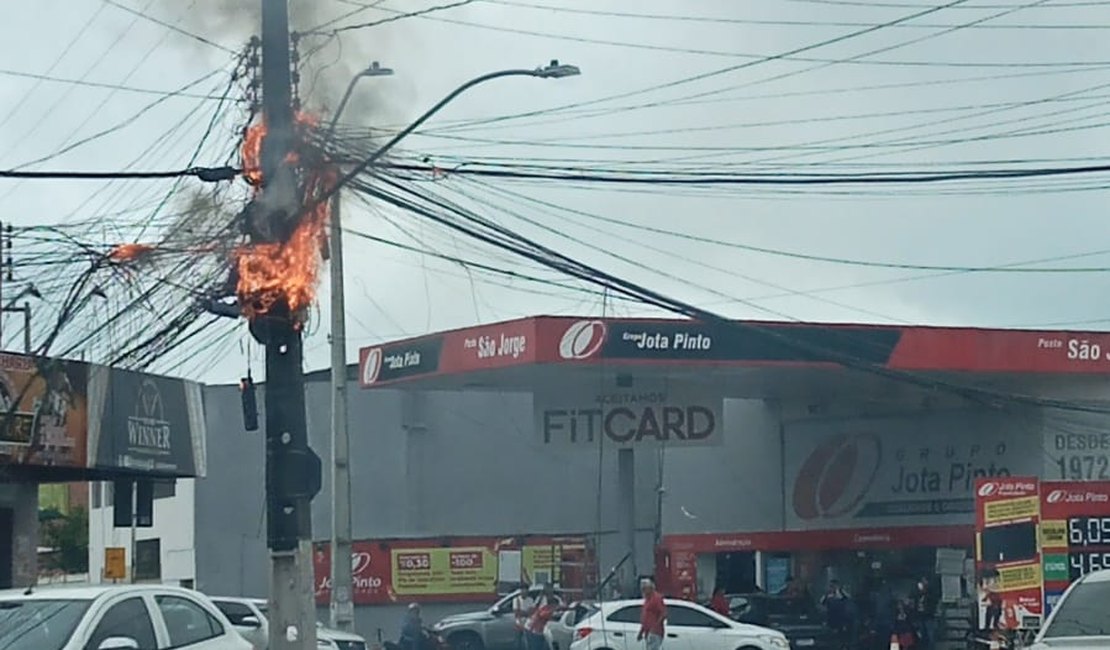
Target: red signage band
{"x": 824, "y": 540}
{"x": 565, "y": 340}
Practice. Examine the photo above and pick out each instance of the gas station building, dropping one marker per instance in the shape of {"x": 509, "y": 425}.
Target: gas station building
{"x": 739, "y": 455}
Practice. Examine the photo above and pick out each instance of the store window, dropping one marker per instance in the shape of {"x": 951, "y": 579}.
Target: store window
{"x": 148, "y": 559}
{"x": 736, "y": 572}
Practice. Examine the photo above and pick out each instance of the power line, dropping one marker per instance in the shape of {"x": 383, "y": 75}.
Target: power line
{"x": 401, "y": 16}
{"x": 721, "y": 20}
{"x": 625, "y": 177}
{"x": 207, "y": 174}
{"x": 109, "y": 86}
{"x": 172, "y": 28}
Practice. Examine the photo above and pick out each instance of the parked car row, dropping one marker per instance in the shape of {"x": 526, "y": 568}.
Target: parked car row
{"x": 607, "y": 626}
{"x": 140, "y": 617}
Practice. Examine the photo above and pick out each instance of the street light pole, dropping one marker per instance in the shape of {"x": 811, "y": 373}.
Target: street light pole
{"x": 341, "y": 599}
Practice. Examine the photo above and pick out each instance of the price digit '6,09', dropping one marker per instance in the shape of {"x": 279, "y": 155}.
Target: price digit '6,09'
{"x": 1075, "y": 532}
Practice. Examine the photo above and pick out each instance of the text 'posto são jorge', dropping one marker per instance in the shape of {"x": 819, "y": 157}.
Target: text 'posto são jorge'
{"x": 629, "y": 424}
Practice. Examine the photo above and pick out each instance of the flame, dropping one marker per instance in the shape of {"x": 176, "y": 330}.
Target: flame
{"x": 284, "y": 272}
{"x": 129, "y": 252}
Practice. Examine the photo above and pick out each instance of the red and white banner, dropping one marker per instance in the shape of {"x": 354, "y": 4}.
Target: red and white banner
{"x": 652, "y": 341}
{"x": 1008, "y": 554}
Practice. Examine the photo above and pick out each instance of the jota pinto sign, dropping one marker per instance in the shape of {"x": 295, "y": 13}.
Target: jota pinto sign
{"x": 1007, "y": 553}
{"x": 1075, "y": 533}
{"x": 461, "y": 570}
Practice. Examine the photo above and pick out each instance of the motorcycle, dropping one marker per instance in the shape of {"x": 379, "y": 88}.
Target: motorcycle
{"x": 429, "y": 641}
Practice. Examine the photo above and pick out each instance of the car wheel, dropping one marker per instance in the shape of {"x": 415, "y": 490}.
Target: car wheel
{"x": 465, "y": 641}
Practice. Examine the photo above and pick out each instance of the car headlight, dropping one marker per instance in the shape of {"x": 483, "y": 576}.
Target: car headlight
{"x": 775, "y": 641}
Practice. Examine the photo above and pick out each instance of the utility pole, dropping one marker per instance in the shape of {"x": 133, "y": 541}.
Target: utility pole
{"x": 342, "y": 603}
{"x": 292, "y": 469}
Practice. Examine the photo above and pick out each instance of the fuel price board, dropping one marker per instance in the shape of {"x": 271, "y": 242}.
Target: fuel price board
{"x": 1075, "y": 533}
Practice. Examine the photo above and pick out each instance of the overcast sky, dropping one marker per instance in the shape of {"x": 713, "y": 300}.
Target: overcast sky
{"x": 1018, "y": 81}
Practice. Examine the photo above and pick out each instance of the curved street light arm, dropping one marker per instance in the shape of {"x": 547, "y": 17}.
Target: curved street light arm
{"x": 362, "y": 166}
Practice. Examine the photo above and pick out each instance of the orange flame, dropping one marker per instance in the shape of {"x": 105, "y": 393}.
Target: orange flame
{"x": 273, "y": 273}
{"x": 129, "y": 252}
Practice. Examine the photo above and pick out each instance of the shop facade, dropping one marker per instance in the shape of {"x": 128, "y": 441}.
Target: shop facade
{"x": 69, "y": 422}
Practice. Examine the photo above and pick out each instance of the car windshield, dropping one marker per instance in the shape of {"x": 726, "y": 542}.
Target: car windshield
{"x": 39, "y": 624}
{"x": 1082, "y": 613}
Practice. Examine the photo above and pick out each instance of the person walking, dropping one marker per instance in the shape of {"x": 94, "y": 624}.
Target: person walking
{"x": 652, "y": 616}
{"x": 523, "y": 608}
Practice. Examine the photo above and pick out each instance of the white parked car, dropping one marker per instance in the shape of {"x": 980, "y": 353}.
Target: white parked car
{"x": 249, "y": 617}
{"x": 689, "y": 626}
{"x": 114, "y": 617}
{"x": 1081, "y": 619}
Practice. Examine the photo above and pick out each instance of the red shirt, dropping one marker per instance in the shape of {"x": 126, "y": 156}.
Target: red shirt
{"x": 719, "y": 604}
{"x": 651, "y": 618}
{"x": 539, "y": 619}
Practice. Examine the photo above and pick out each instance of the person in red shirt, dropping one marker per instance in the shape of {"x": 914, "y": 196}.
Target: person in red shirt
{"x": 719, "y": 603}
{"x": 652, "y": 617}
{"x": 546, "y": 608}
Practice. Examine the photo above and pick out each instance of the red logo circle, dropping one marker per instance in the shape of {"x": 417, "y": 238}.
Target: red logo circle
{"x": 371, "y": 366}
{"x": 988, "y": 489}
{"x": 1056, "y": 496}
{"x": 836, "y": 477}
{"x": 582, "y": 339}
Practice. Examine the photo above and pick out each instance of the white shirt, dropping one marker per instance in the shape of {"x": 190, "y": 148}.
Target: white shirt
{"x": 522, "y": 609}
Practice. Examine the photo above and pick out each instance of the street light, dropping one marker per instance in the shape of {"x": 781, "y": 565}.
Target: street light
{"x": 375, "y": 70}
{"x": 342, "y": 607}
{"x": 553, "y": 70}
{"x": 341, "y": 604}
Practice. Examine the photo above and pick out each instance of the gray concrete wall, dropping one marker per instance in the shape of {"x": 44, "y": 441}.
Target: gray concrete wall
{"x": 735, "y": 487}
{"x": 23, "y": 499}
{"x": 423, "y": 464}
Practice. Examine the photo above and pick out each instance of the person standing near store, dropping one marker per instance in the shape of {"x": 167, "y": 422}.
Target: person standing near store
{"x": 883, "y": 611}
{"x": 837, "y": 609}
{"x": 925, "y": 604}
{"x": 542, "y": 613}
{"x": 652, "y": 616}
{"x": 523, "y": 608}
{"x": 719, "y": 603}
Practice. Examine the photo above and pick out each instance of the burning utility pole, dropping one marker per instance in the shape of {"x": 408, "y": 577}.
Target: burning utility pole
{"x": 293, "y": 471}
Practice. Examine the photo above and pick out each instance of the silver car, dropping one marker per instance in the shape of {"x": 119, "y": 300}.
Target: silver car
{"x": 491, "y": 629}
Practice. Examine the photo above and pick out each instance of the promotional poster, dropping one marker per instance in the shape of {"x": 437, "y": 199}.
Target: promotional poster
{"x": 1007, "y": 553}
{"x": 455, "y": 570}
{"x": 1075, "y": 533}
{"x": 44, "y": 404}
